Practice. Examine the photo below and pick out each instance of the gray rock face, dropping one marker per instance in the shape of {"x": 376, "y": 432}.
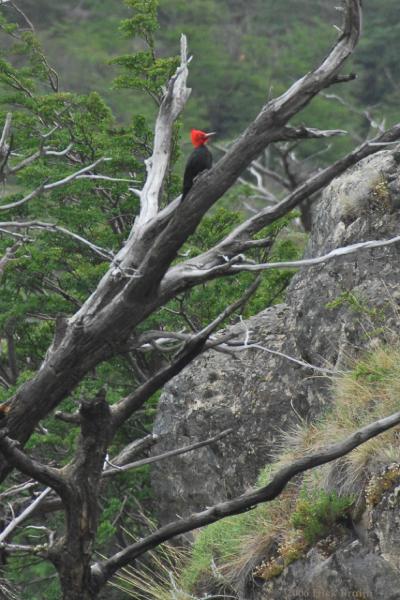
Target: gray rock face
{"x": 366, "y": 568}
{"x": 353, "y": 571}
{"x": 332, "y": 312}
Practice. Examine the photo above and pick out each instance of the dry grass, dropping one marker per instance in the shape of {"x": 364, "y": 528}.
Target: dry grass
{"x": 370, "y": 391}
{"x": 267, "y": 529}
{"x": 157, "y": 579}
{"x": 264, "y": 541}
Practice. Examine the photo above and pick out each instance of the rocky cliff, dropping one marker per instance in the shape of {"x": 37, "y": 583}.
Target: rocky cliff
{"x": 332, "y": 314}
{"x": 362, "y": 564}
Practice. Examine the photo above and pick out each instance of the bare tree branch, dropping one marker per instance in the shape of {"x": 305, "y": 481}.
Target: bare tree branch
{"x": 239, "y": 264}
{"x": 71, "y": 418}
{"x": 45, "y": 187}
{"x": 106, "y": 178}
{"x": 102, "y": 571}
{"x": 23, "y": 515}
{"x": 42, "y": 473}
{"x": 256, "y": 165}
{"x": 173, "y": 103}
{"x": 111, "y": 470}
{"x": 5, "y": 145}
{"x": 192, "y": 348}
{"x": 17, "y": 489}
{"x": 307, "y": 133}
{"x": 10, "y": 225}
{"x": 155, "y": 255}
{"x": 310, "y": 262}
{"x": 238, "y": 239}
{"x": 5, "y": 133}
{"x": 265, "y": 128}
{"x": 40, "y": 550}
{"x": 366, "y": 114}
{"x": 133, "y": 449}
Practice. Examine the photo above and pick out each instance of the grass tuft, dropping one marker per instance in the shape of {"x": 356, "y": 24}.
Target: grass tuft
{"x": 317, "y": 512}
{"x": 156, "y": 578}
{"x": 261, "y": 543}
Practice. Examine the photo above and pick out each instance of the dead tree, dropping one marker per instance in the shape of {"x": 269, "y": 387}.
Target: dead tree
{"x": 143, "y": 277}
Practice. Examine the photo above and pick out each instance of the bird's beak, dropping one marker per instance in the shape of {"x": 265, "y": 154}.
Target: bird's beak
{"x": 211, "y": 133}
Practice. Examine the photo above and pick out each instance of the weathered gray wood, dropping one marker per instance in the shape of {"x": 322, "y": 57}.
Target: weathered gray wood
{"x": 102, "y": 571}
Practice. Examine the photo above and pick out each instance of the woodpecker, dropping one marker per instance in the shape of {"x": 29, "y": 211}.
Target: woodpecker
{"x": 200, "y": 159}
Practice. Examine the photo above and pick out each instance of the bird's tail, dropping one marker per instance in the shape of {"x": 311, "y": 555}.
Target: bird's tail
{"x": 185, "y": 192}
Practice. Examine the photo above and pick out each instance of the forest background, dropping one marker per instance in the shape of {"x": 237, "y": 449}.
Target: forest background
{"x": 244, "y": 51}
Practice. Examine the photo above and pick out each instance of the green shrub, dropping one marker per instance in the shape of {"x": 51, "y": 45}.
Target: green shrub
{"x": 317, "y": 512}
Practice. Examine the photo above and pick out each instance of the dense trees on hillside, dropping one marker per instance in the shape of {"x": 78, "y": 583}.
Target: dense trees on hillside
{"x": 238, "y": 46}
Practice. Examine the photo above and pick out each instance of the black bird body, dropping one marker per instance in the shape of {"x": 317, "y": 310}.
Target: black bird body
{"x": 200, "y": 160}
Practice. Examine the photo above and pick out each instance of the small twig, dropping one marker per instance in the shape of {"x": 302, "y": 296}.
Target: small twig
{"x": 147, "y": 461}
{"x": 40, "y": 550}
{"x": 17, "y": 489}
{"x": 24, "y": 515}
{"x": 46, "y": 187}
{"x": 103, "y": 252}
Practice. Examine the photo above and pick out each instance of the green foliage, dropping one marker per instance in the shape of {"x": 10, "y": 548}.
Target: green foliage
{"x": 39, "y": 580}
{"x": 217, "y": 543}
{"x": 317, "y": 512}
{"x": 356, "y": 304}
{"x": 145, "y": 71}
{"x": 258, "y": 45}
{"x": 369, "y": 372}
{"x": 144, "y": 21}
{"x": 52, "y": 274}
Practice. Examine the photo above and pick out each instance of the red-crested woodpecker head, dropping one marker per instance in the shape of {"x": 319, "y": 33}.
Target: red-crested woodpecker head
{"x": 199, "y": 138}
